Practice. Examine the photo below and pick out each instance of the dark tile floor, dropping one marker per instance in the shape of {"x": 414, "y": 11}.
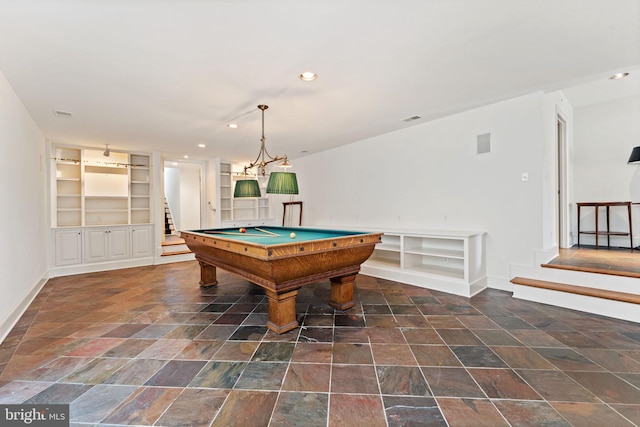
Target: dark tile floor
{"x": 147, "y": 346}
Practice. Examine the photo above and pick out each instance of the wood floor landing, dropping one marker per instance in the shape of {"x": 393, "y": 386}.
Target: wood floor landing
{"x": 615, "y": 262}
{"x": 578, "y": 290}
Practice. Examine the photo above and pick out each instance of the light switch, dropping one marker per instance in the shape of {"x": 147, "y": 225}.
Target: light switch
{"x": 525, "y": 176}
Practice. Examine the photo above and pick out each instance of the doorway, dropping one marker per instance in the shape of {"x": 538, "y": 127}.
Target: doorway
{"x": 183, "y": 192}
{"x": 563, "y": 227}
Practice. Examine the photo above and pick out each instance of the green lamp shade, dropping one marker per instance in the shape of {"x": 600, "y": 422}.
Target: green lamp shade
{"x": 247, "y": 188}
{"x": 282, "y": 183}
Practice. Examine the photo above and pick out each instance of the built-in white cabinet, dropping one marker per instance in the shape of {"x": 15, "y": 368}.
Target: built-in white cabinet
{"x": 141, "y": 241}
{"x": 68, "y": 246}
{"x": 106, "y": 244}
{"x": 448, "y": 261}
{"x": 88, "y": 245}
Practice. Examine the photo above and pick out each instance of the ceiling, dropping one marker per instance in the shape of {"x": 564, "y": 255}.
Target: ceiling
{"x": 169, "y": 75}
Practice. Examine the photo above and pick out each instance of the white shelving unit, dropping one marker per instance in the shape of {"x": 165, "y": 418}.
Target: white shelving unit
{"x": 448, "y": 261}
{"x": 242, "y": 211}
{"x": 93, "y": 190}
{"x": 101, "y": 210}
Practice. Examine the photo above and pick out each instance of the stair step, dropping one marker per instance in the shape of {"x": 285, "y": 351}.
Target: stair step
{"x": 579, "y": 290}
{"x": 175, "y": 253}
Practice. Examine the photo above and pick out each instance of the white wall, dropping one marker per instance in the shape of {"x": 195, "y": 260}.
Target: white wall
{"x": 605, "y": 134}
{"x": 430, "y": 177}
{"x": 24, "y": 212}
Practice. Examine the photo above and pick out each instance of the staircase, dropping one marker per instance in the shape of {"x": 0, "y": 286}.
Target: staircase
{"x": 172, "y": 245}
{"x": 608, "y": 294}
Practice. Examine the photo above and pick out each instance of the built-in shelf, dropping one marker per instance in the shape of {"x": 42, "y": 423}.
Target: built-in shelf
{"x": 89, "y": 189}
{"x": 444, "y": 260}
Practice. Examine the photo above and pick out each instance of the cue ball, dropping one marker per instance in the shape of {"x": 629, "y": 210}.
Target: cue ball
{"x": 292, "y": 235}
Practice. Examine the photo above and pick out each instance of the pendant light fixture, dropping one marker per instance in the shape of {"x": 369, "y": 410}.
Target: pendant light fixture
{"x": 281, "y": 183}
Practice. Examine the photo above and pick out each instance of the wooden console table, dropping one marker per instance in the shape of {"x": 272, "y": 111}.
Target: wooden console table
{"x": 608, "y": 232}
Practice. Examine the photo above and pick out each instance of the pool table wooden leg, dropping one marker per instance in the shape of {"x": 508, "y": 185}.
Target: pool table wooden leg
{"x": 207, "y": 275}
{"x": 282, "y": 311}
{"x": 342, "y": 292}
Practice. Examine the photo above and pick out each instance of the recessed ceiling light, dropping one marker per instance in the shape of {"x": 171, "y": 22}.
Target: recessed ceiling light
{"x": 201, "y": 145}
{"x": 186, "y": 157}
{"x": 618, "y": 76}
{"x": 308, "y": 76}
{"x": 233, "y": 125}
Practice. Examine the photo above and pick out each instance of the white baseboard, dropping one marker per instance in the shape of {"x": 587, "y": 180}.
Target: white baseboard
{"x": 10, "y": 320}
{"x": 68, "y": 270}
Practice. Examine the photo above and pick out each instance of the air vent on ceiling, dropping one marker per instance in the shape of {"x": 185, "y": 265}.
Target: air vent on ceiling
{"x": 62, "y": 114}
{"x": 412, "y": 118}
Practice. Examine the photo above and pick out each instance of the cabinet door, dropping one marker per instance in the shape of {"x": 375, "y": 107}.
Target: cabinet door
{"x": 141, "y": 242}
{"x": 118, "y": 243}
{"x": 95, "y": 244}
{"x": 68, "y": 247}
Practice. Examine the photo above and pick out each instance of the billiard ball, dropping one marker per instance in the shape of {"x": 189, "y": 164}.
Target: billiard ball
{"x": 292, "y": 235}
{"x": 243, "y": 230}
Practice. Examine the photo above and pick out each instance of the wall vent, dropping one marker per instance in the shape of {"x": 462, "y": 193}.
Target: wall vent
{"x": 62, "y": 114}
{"x": 484, "y": 143}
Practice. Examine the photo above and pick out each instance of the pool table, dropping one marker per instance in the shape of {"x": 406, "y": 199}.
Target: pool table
{"x": 281, "y": 262}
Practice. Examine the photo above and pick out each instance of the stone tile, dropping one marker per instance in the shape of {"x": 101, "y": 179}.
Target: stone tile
{"x": 493, "y": 337}
{"x": 536, "y": 338}
{"x": 393, "y": 354}
{"x": 135, "y": 372}
{"x": 143, "y": 407}
{"x": 236, "y": 350}
{"x": 97, "y": 403}
{"x": 421, "y": 336}
{"x": 607, "y": 386}
{"x": 521, "y": 358}
{"x": 57, "y": 393}
{"x": 590, "y": 414}
{"x": 470, "y": 413}
{"x": 246, "y": 408}
{"x": 308, "y": 377}
{"x": 434, "y": 355}
{"x": 359, "y": 354}
{"x": 218, "y": 374}
{"x": 356, "y": 410}
{"x": 478, "y": 356}
{"x": 200, "y": 350}
{"x": 452, "y": 382}
{"x": 176, "y": 373}
{"x": 96, "y": 371}
{"x": 412, "y": 411}
{"x": 301, "y": 410}
{"x": 262, "y": 376}
{"x": 357, "y": 379}
{"x": 458, "y": 337}
{"x": 273, "y": 352}
{"x": 630, "y": 412}
{"x": 21, "y": 391}
{"x": 612, "y": 360}
{"x": 503, "y": 384}
{"x": 402, "y": 380}
{"x": 312, "y": 352}
{"x": 533, "y": 414}
{"x": 567, "y": 359}
{"x": 556, "y": 386}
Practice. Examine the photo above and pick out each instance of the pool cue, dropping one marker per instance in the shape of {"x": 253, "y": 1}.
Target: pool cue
{"x": 233, "y": 234}
{"x": 265, "y": 231}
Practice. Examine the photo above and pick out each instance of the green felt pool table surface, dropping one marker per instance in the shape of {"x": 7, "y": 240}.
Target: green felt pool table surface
{"x": 281, "y": 235}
